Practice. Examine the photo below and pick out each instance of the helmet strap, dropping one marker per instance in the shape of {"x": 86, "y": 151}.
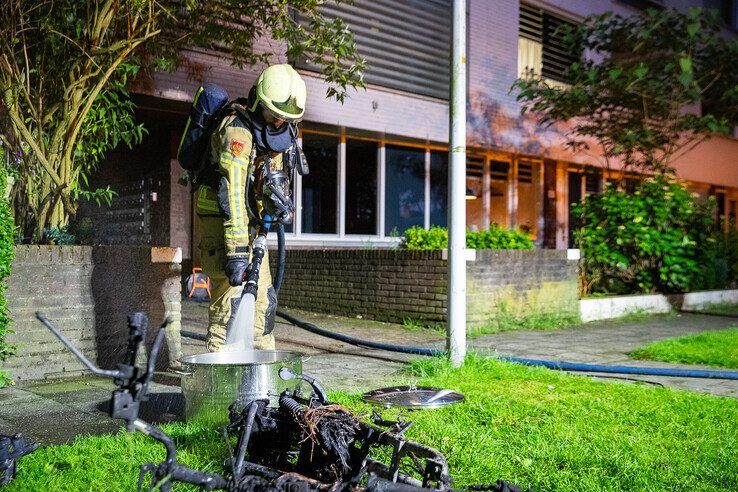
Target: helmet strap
{"x": 252, "y": 101}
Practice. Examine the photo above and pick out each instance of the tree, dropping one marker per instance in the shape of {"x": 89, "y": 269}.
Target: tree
{"x": 65, "y": 66}
{"x": 635, "y": 80}
{"x": 7, "y": 229}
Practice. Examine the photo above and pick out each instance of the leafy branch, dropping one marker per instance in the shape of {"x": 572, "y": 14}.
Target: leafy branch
{"x": 65, "y": 67}
{"x": 635, "y": 80}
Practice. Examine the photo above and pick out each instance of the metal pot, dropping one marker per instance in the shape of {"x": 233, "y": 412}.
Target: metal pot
{"x": 212, "y": 381}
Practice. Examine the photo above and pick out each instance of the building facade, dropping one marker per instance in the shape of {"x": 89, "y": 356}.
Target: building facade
{"x": 378, "y": 162}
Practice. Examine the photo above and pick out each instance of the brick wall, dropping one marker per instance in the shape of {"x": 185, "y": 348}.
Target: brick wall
{"x": 387, "y": 285}
{"x": 522, "y": 283}
{"x": 88, "y": 293}
{"x": 395, "y": 285}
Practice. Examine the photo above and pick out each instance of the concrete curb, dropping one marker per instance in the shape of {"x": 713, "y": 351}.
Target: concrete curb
{"x": 620, "y": 306}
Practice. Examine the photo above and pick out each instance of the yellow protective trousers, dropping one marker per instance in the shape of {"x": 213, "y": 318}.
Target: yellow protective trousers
{"x": 225, "y": 298}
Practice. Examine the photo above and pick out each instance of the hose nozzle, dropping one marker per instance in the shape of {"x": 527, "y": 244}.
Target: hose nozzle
{"x": 287, "y": 374}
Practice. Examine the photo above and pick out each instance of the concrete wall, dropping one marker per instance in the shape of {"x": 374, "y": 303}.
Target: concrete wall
{"x": 696, "y": 301}
{"x": 88, "y": 293}
{"x": 521, "y": 283}
{"x": 600, "y": 308}
{"x": 395, "y": 285}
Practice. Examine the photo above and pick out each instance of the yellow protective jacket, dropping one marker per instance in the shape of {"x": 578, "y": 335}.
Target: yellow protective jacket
{"x": 235, "y": 159}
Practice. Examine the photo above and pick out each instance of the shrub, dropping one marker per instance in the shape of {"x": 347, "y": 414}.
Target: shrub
{"x": 495, "y": 238}
{"x": 7, "y": 233}
{"x": 720, "y": 268}
{"x": 78, "y": 231}
{"x": 418, "y": 238}
{"x": 83, "y": 230}
{"x": 498, "y": 238}
{"x": 656, "y": 238}
{"x": 58, "y": 235}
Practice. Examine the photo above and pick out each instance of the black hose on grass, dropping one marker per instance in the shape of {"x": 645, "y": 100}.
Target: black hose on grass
{"x": 556, "y": 365}
{"x": 357, "y": 341}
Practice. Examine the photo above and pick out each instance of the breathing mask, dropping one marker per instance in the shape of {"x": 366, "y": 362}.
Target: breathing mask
{"x": 276, "y": 197}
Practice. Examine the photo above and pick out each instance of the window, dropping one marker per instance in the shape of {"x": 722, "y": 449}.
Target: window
{"x": 525, "y": 172}
{"x": 438, "y": 188}
{"x": 529, "y": 197}
{"x": 498, "y": 189}
{"x": 361, "y": 187}
{"x": 344, "y": 197}
{"x": 541, "y": 47}
{"x": 320, "y": 186}
{"x": 475, "y": 216}
{"x": 593, "y": 181}
{"x": 729, "y": 11}
{"x": 404, "y": 188}
{"x": 406, "y": 44}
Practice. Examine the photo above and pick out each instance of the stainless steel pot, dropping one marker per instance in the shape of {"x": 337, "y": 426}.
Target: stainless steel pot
{"x": 212, "y": 381}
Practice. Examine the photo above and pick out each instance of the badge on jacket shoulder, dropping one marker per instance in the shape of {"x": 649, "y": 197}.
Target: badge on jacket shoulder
{"x": 236, "y": 147}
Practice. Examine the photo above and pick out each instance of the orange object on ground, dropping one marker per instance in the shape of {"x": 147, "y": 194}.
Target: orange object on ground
{"x": 199, "y": 281}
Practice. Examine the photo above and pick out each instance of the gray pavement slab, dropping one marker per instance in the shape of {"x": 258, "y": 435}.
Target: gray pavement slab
{"x": 60, "y": 427}
{"x": 42, "y": 418}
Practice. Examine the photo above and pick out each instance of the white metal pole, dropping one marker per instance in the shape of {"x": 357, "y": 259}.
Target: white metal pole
{"x": 297, "y": 222}
{"x": 341, "y": 216}
{"x": 456, "y": 337}
{"x": 427, "y": 200}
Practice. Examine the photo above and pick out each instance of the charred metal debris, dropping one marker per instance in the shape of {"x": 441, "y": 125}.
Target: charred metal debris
{"x": 304, "y": 444}
{"x": 12, "y": 448}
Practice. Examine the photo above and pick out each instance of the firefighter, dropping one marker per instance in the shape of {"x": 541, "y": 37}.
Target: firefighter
{"x": 259, "y": 132}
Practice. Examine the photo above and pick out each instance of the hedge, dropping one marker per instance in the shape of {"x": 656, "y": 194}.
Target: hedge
{"x": 495, "y": 238}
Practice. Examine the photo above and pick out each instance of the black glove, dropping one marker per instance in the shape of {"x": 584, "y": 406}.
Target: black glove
{"x": 235, "y": 268}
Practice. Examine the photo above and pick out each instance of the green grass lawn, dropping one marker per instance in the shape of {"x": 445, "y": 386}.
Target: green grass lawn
{"x": 504, "y": 321}
{"x": 715, "y": 348}
{"x": 111, "y": 462}
{"x": 536, "y": 427}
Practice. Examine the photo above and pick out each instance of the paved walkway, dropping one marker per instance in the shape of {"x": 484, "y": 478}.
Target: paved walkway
{"x": 610, "y": 343}
{"x": 56, "y": 412}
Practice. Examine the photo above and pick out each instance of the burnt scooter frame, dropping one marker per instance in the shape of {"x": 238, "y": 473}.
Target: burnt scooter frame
{"x": 257, "y": 423}
{"x": 257, "y": 419}
{"x": 133, "y": 387}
